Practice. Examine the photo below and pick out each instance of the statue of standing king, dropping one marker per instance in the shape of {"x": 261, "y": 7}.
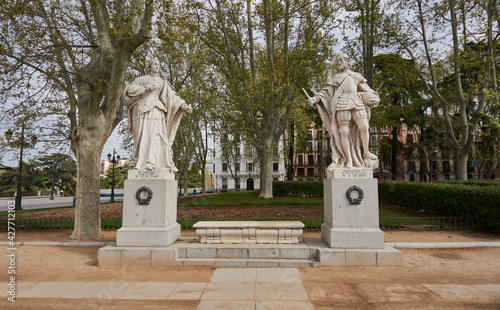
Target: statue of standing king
{"x": 344, "y": 105}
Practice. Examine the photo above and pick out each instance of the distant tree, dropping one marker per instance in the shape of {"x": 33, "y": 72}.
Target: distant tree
{"x": 120, "y": 176}
{"x": 262, "y": 79}
{"x": 423, "y": 29}
{"x": 77, "y": 53}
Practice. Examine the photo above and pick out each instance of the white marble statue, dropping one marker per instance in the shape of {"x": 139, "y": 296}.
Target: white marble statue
{"x": 344, "y": 105}
{"x": 154, "y": 114}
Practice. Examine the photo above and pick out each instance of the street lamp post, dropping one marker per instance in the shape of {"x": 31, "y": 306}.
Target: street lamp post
{"x": 8, "y": 136}
{"x": 436, "y": 150}
{"x": 113, "y": 161}
{"x": 53, "y": 176}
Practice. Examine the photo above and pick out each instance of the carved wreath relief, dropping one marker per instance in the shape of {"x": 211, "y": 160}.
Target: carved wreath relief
{"x": 354, "y": 201}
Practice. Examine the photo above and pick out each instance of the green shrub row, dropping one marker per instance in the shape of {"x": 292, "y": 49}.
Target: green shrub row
{"x": 451, "y": 198}
{"x": 474, "y": 182}
{"x": 298, "y": 188}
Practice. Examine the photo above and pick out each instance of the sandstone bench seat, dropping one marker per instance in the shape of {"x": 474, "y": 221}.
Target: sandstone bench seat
{"x": 284, "y": 232}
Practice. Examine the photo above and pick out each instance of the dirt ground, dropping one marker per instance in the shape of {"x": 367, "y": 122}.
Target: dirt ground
{"x": 448, "y": 266}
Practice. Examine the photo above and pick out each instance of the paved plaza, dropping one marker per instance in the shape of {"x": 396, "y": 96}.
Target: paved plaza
{"x": 262, "y": 288}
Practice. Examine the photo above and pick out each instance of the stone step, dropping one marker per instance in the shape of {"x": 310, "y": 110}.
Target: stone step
{"x": 244, "y": 262}
{"x": 248, "y": 252}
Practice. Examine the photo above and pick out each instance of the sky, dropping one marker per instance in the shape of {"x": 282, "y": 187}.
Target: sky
{"x": 11, "y": 158}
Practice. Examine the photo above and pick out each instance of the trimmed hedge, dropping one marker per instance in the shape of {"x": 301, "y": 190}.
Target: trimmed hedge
{"x": 474, "y": 182}
{"x": 481, "y": 201}
{"x": 298, "y": 188}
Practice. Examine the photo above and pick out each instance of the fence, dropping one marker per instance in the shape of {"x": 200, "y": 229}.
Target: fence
{"x": 386, "y": 223}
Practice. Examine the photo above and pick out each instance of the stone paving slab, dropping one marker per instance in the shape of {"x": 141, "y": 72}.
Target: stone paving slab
{"x": 234, "y": 275}
{"x": 285, "y": 275}
{"x": 229, "y": 291}
{"x": 325, "y": 291}
{"x": 147, "y": 290}
{"x": 405, "y": 293}
{"x": 20, "y": 286}
{"x": 459, "y": 292}
{"x": 284, "y": 305}
{"x": 100, "y": 290}
{"x": 280, "y": 291}
{"x": 49, "y": 289}
{"x": 492, "y": 289}
{"x": 226, "y": 305}
{"x": 188, "y": 291}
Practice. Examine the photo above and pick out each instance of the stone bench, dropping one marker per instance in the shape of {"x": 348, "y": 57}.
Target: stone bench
{"x": 284, "y": 232}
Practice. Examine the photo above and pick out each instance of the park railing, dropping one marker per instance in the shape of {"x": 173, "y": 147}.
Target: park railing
{"x": 386, "y": 223}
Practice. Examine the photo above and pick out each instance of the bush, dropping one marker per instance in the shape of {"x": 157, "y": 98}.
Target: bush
{"x": 298, "y": 188}
{"x": 462, "y": 199}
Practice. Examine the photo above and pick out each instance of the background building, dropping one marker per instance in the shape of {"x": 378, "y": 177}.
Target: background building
{"x": 239, "y": 168}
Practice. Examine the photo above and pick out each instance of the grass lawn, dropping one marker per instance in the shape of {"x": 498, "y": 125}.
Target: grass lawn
{"x": 246, "y": 198}
{"x": 4, "y": 213}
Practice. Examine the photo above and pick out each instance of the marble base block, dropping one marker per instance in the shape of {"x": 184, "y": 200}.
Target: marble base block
{"x": 149, "y": 210}
{"x": 352, "y": 238}
{"x": 351, "y": 224}
{"x": 148, "y": 236}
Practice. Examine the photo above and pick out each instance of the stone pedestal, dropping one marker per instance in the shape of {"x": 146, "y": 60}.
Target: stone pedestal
{"x": 351, "y": 210}
{"x": 149, "y": 210}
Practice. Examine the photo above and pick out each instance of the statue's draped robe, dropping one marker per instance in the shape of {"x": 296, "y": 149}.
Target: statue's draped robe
{"x": 153, "y": 119}
{"x": 327, "y": 108}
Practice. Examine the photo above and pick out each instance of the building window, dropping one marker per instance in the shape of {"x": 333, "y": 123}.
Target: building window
{"x": 383, "y": 129}
{"x": 275, "y": 179}
{"x": 412, "y": 178}
{"x": 310, "y": 172}
{"x": 309, "y": 134}
{"x": 249, "y": 166}
{"x": 446, "y": 176}
{"x": 300, "y": 172}
{"x": 310, "y": 146}
{"x": 237, "y": 167}
{"x": 213, "y": 169}
{"x": 374, "y": 151}
{"x": 224, "y": 167}
{"x": 238, "y": 183}
{"x": 411, "y": 167}
{"x": 214, "y": 152}
{"x": 409, "y": 139}
{"x": 275, "y": 167}
{"x": 318, "y": 159}
{"x": 373, "y": 140}
{"x": 446, "y": 166}
{"x": 275, "y": 152}
{"x": 310, "y": 160}
{"x": 224, "y": 183}
{"x": 386, "y": 167}
{"x": 373, "y": 129}
{"x": 434, "y": 165}
{"x": 300, "y": 160}
{"x": 238, "y": 153}
{"x": 319, "y": 145}
{"x": 319, "y": 134}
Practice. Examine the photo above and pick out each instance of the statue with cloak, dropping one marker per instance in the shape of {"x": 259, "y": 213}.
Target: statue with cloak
{"x": 344, "y": 105}
{"x": 154, "y": 114}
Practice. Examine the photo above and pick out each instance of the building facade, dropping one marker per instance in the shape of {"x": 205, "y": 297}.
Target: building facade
{"x": 240, "y": 169}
